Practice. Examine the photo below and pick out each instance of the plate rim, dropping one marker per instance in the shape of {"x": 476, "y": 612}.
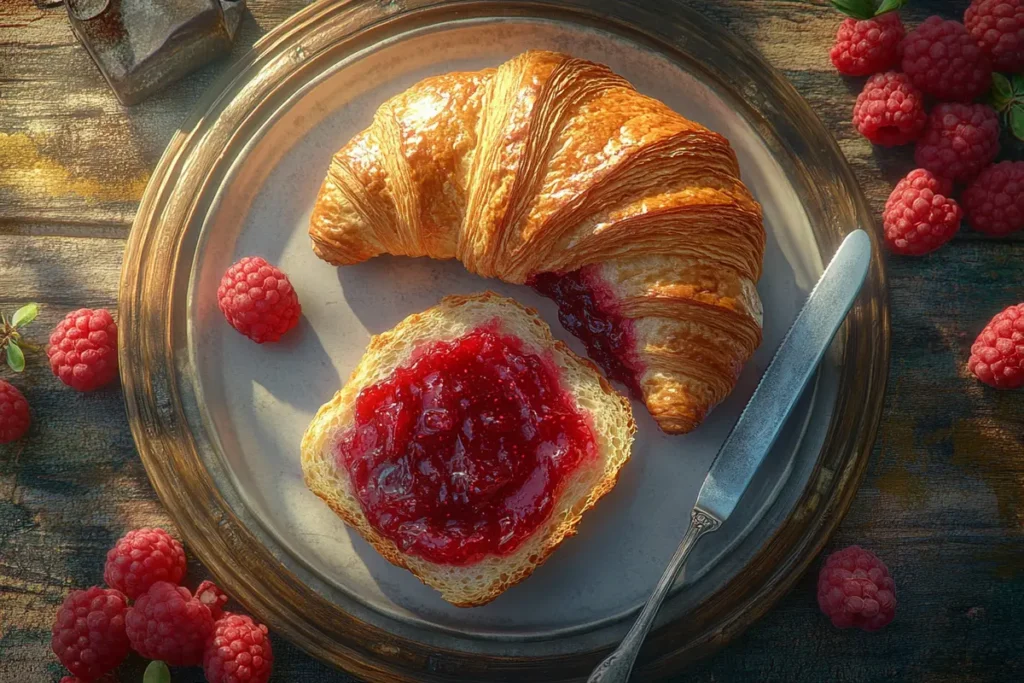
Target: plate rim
{"x": 273, "y": 593}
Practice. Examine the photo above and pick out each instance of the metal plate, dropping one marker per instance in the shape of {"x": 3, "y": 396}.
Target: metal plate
{"x": 241, "y": 179}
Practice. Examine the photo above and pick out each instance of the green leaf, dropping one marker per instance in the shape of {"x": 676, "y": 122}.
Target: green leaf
{"x": 1002, "y": 92}
{"x": 1018, "y": 84}
{"x": 1017, "y": 121}
{"x": 25, "y": 315}
{"x": 15, "y": 358}
{"x": 889, "y": 6}
{"x": 156, "y": 672}
{"x": 858, "y": 9}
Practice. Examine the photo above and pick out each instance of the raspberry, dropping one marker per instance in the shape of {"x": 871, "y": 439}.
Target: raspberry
{"x": 890, "y": 110}
{"x": 998, "y": 26}
{"x": 109, "y": 678}
{"x": 919, "y": 216}
{"x": 238, "y": 652}
{"x": 14, "y": 416}
{"x": 167, "y": 623}
{"x": 89, "y": 632}
{"x": 867, "y": 46}
{"x": 213, "y": 597}
{"x": 959, "y": 140}
{"x": 142, "y": 557}
{"x": 83, "y": 349}
{"x": 258, "y": 300}
{"x": 943, "y": 60}
{"x": 855, "y": 589}
{"x": 997, "y": 356}
{"x": 994, "y": 202}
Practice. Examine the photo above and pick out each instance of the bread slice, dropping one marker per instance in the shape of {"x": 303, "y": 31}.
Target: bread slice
{"x": 609, "y": 414}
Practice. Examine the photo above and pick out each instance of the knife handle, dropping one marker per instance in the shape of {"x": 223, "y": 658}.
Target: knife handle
{"x": 618, "y": 665}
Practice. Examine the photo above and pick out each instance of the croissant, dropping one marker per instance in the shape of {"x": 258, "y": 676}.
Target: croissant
{"x": 555, "y": 172}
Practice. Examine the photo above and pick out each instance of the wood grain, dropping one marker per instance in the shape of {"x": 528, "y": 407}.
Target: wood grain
{"x": 942, "y": 502}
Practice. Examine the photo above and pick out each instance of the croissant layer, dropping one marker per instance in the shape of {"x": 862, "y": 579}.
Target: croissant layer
{"x": 554, "y": 167}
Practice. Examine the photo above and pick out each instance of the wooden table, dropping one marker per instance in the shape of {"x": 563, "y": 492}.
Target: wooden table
{"x": 943, "y": 501}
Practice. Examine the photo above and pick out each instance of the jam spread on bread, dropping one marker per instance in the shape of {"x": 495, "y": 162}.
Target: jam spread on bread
{"x": 588, "y": 313}
{"x": 462, "y": 452}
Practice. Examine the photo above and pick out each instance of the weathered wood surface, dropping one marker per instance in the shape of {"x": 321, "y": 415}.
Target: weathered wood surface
{"x": 943, "y": 501}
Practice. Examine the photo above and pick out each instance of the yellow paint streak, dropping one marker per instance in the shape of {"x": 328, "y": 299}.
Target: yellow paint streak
{"x": 26, "y": 170}
{"x": 903, "y": 477}
{"x": 993, "y": 450}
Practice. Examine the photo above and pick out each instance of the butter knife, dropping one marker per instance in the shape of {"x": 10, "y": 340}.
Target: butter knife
{"x": 757, "y": 428}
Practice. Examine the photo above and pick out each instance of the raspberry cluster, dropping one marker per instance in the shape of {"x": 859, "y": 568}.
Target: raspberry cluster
{"x": 867, "y": 46}
{"x": 258, "y": 300}
{"x": 95, "y": 628}
{"x": 919, "y": 216}
{"x": 14, "y": 415}
{"x": 855, "y": 590}
{"x": 890, "y": 110}
{"x": 141, "y": 558}
{"x": 997, "y": 356}
{"x": 956, "y": 143}
{"x": 943, "y": 60}
{"x": 83, "y": 349}
{"x": 959, "y": 140}
{"x": 994, "y": 201}
{"x": 998, "y": 27}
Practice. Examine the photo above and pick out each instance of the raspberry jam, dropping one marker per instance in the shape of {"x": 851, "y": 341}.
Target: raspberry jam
{"x": 461, "y": 453}
{"x": 585, "y": 310}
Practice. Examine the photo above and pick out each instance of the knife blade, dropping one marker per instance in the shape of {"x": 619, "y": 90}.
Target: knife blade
{"x": 783, "y": 382}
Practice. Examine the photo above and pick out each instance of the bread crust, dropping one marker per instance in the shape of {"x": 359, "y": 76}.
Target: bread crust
{"x": 550, "y": 163}
{"x": 609, "y": 412}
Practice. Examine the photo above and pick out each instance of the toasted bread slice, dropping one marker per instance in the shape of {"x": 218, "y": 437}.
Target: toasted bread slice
{"x": 608, "y": 413}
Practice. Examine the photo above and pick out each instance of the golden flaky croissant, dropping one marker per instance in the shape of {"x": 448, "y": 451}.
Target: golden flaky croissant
{"x": 553, "y": 171}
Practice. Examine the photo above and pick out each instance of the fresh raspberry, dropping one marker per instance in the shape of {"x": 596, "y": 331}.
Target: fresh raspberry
{"x": 109, "y": 678}
{"x": 89, "y": 632}
{"x": 867, "y": 46}
{"x": 943, "y": 60}
{"x": 238, "y": 652}
{"x": 258, "y": 300}
{"x": 142, "y": 557}
{"x": 919, "y": 215}
{"x": 855, "y": 589}
{"x": 997, "y": 356}
{"x": 959, "y": 140}
{"x": 890, "y": 110}
{"x": 83, "y": 349}
{"x": 994, "y": 202}
{"x": 167, "y": 623}
{"x": 998, "y": 26}
{"x": 14, "y": 416}
{"x": 213, "y": 597}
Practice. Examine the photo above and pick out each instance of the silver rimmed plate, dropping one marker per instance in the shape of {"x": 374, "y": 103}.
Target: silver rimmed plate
{"x": 241, "y": 179}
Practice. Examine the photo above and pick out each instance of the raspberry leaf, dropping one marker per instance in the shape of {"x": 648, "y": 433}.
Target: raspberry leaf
{"x": 1007, "y": 97}
{"x": 1016, "y": 119}
{"x": 1002, "y": 91}
{"x": 15, "y": 357}
{"x": 156, "y": 672}
{"x": 889, "y": 6}
{"x": 865, "y": 9}
{"x": 25, "y": 315}
{"x": 858, "y": 9}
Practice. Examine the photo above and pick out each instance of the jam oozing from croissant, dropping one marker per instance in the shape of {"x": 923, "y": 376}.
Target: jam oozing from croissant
{"x": 584, "y": 311}
{"x": 462, "y": 452}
